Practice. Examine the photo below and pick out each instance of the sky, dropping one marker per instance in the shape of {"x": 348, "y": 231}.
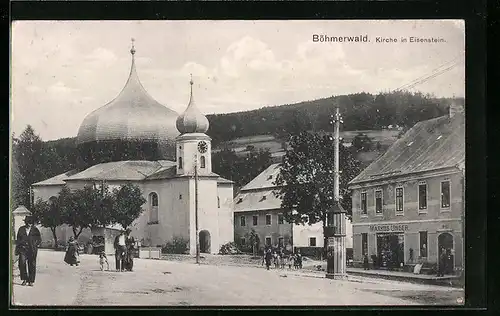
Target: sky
{"x": 63, "y": 70}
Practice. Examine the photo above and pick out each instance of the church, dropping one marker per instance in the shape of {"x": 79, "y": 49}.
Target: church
{"x": 172, "y": 192}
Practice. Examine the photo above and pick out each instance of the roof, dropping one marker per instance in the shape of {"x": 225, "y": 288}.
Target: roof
{"x": 258, "y": 193}
{"x": 21, "y": 210}
{"x": 429, "y": 145}
{"x": 132, "y": 115}
{"x": 265, "y": 179}
{"x": 256, "y": 201}
{"x": 134, "y": 170}
{"x": 122, "y": 170}
{"x": 57, "y": 180}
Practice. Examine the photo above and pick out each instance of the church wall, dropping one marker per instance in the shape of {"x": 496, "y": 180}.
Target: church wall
{"x": 226, "y": 218}
{"x": 207, "y": 213}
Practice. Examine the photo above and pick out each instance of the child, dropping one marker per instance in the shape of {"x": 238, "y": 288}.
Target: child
{"x": 103, "y": 259}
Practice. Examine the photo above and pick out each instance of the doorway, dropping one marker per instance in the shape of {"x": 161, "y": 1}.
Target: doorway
{"x": 445, "y": 243}
{"x": 204, "y": 241}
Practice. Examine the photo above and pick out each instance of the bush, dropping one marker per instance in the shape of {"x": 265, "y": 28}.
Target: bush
{"x": 178, "y": 245}
{"x": 229, "y": 248}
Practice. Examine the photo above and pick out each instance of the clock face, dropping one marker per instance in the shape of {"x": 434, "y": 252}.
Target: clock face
{"x": 202, "y": 147}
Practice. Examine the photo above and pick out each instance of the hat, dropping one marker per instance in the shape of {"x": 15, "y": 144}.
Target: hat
{"x": 29, "y": 219}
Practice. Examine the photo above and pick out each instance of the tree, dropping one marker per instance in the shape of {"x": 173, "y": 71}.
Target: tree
{"x": 48, "y": 214}
{"x": 128, "y": 202}
{"x": 253, "y": 239}
{"x": 28, "y": 153}
{"x": 306, "y": 178}
{"x": 77, "y": 208}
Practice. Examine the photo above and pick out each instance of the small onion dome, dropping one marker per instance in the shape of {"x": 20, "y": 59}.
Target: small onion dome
{"x": 132, "y": 115}
{"x": 192, "y": 120}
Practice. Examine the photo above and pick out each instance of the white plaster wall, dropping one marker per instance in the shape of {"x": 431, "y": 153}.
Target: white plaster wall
{"x": 225, "y": 214}
{"x": 302, "y": 233}
{"x": 188, "y": 152}
{"x": 45, "y": 192}
{"x": 207, "y": 213}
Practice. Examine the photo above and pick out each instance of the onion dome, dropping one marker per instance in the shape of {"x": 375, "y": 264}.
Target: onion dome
{"x": 192, "y": 120}
{"x": 132, "y": 115}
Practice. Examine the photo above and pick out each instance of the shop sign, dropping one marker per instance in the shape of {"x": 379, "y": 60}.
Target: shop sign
{"x": 389, "y": 228}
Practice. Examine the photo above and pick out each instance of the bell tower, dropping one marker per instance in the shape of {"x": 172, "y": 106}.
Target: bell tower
{"x": 193, "y": 146}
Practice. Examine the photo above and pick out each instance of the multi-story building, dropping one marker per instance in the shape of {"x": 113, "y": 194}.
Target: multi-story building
{"x": 408, "y": 205}
{"x": 256, "y": 207}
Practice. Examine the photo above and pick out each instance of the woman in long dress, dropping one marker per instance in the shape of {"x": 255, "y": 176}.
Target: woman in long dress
{"x": 71, "y": 256}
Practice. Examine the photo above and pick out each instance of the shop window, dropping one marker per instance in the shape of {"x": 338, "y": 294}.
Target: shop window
{"x": 390, "y": 250}
{"x": 268, "y": 241}
{"x": 445, "y": 194}
{"x": 399, "y": 200}
{"x": 243, "y": 221}
{"x": 423, "y": 244}
{"x": 364, "y": 243}
{"x": 378, "y": 201}
{"x": 312, "y": 242}
{"x": 280, "y": 241}
{"x": 280, "y": 219}
{"x": 255, "y": 220}
{"x": 422, "y": 196}
{"x": 268, "y": 219}
{"x": 202, "y": 162}
{"x": 363, "y": 203}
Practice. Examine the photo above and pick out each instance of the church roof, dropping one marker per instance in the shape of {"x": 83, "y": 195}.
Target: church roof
{"x": 429, "y": 145}
{"x": 122, "y": 170}
{"x": 132, "y": 115}
{"x": 56, "y": 180}
{"x": 192, "y": 120}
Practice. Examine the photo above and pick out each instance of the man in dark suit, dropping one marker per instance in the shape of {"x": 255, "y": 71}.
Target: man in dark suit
{"x": 120, "y": 251}
{"x": 27, "y": 243}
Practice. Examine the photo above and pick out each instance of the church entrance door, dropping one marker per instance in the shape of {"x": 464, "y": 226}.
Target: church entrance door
{"x": 204, "y": 241}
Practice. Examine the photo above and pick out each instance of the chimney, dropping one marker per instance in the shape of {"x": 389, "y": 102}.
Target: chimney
{"x": 455, "y": 108}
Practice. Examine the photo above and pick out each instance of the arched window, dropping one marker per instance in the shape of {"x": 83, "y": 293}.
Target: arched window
{"x": 202, "y": 162}
{"x": 153, "y": 208}
{"x": 180, "y": 162}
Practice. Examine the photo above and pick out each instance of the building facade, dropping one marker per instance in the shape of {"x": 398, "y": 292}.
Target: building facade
{"x": 408, "y": 206}
{"x": 257, "y": 208}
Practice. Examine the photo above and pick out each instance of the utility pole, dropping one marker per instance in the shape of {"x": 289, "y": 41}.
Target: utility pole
{"x": 336, "y": 258}
{"x": 196, "y": 208}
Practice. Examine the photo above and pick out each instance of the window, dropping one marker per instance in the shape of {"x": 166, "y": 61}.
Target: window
{"x": 153, "y": 208}
{"x": 242, "y": 241}
{"x": 218, "y": 202}
{"x": 180, "y": 162}
{"x": 268, "y": 241}
{"x": 378, "y": 201}
{"x": 422, "y": 196}
{"x": 312, "y": 242}
{"x": 399, "y": 200}
{"x": 364, "y": 243}
{"x": 202, "y": 162}
{"x": 180, "y": 196}
{"x": 280, "y": 219}
{"x": 445, "y": 194}
{"x": 243, "y": 220}
{"x": 280, "y": 241}
{"x": 268, "y": 219}
{"x": 363, "y": 203}
{"x": 255, "y": 220}
{"x": 423, "y": 244}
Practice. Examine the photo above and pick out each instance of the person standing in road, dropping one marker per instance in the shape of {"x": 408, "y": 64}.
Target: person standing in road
{"x": 441, "y": 263}
{"x": 120, "y": 251}
{"x": 129, "y": 254}
{"x": 72, "y": 256}
{"x": 269, "y": 257}
{"x": 27, "y": 243}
